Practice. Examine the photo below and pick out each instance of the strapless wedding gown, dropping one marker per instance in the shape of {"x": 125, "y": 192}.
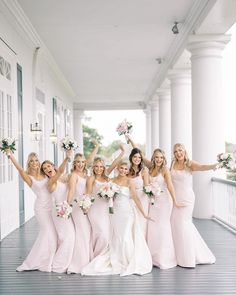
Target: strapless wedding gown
{"x": 128, "y": 252}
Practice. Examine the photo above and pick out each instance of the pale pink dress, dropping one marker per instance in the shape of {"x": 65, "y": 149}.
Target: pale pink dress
{"x": 44, "y": 248}
{"x": 159, "y": 236}
{"x": 138, "y": 181}
{"x": 190, "y": 248}
{"x": 100, "y": 222}
{"x": 65, "y": 231}
{"x": 82, "y": 250}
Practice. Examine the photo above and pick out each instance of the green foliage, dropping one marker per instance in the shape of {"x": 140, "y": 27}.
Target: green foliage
{"x": 89, "y": 134}
{"x": 110, "y": 149}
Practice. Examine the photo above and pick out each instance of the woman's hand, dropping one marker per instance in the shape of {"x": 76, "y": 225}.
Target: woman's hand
{"x": 149, "y": 218}
{"x": 179, "y": 205}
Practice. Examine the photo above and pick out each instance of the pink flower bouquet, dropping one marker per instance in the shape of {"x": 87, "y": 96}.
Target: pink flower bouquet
{"x": 109, "y": 192}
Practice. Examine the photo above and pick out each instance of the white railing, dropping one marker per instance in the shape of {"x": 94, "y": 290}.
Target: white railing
{"x": 224, "y": 196}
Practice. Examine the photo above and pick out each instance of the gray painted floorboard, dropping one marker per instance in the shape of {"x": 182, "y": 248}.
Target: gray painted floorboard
{"x": 219, "y": 278}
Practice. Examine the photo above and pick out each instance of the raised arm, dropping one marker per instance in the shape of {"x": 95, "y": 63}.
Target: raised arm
{"x": 20, "y": 169}
{"x": 147, "y": 162}
{"x": 71, "y": 184}
{"x": 60, "y": 171}
{"x": 116, "y": 161}
{"x": 92, "y": 155}
{"x": 145, "y": 176}
{"x": 195, "y": 166}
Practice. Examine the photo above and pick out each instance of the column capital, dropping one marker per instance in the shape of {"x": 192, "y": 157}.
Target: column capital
{"x": 207, "y": 45}
{"x": 154, "y": 102}
{"x": 180, "y": 76}
{"x": 163, "y": 93}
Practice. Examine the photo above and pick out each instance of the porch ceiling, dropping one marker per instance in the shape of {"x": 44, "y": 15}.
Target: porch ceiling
{"x": 108, "y": 50}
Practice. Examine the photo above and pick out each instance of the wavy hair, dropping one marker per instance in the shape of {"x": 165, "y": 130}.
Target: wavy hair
{"x": 163, "y": 165}
{"x": 99, "y": 159}
{"x": 187, "y": 162}
{"x": 47, "y": 162}
{"x": 30, "y": 156}
{"x": 140, "y": 166}
{"x": 74, "y": 163}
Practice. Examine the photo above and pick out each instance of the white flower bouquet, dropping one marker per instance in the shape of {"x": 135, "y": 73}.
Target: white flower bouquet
{"x": 68, "y": 143}
{"x": 85, "y": 203}
{"x": 64, "y": 210}
{"x": 152, "y": 191}
{"x": 124, "y": 128}
{"x": 8, "y": 143}
{"x": 109, "y": 192}
{"x": 226, "y": 161}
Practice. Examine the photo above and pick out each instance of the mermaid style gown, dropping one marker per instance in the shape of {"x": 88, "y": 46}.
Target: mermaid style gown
{"x": 100, "y": 221}
{"x": 138, "y": 181}
{"x": 65, "y": 231}
{"x": 82, "y": 250}
{"x": 190, "y": 248}
{"x": 159, "y": 235}
{"x": 44, "y": 248}
{"x": 128, "y": 252}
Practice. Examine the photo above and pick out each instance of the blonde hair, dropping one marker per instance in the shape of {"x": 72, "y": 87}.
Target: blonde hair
{"x": 123, "y": 162}
{"x": 187, "y": 162}
{"x": 74, "y": 163}
{"x": 100, "y": 160}
{"x": 30, "y": 156}
{"x": 163, "y": 165}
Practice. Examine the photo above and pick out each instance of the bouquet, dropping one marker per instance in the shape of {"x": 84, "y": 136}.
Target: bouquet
{"x": 8, "y": 143}
{"x": 64, "y": 210}
{"x": 109, "y": 192}
{"x": 226, "y": 160}
{"x": 68, "y": 144}
{"x": 124, "y": 128}
{"x": 152, "y": 191}
{"x": 86, "y": 203}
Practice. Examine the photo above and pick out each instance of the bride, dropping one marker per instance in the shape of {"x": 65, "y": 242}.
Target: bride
{"x": 128, "y": 252}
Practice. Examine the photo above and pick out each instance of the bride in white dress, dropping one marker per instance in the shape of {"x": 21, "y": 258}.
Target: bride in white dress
{"x": 128, "y": 252}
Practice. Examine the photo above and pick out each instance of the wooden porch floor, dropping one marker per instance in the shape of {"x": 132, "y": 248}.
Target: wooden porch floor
{"x": 219, "y": 278}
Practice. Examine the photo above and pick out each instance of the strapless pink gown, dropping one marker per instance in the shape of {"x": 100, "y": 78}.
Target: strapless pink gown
{"x": 159, "y": 237}
{"x": 44, "y": 248}
{"x": 83, "y": 245}
{"x": 190, "y": 248}
{"x": 138, "y": 181}
{"x": 65, "y": 231}
{"x": 100, "y": 222}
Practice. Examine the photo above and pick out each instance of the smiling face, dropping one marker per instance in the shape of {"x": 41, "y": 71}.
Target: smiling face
{"x": 136, "y": 159}
{"x": 48, "y": 169}
{"x": 98, "y": 168}
{"x": 33, "y": 163}
{"x": 79, "y": 163}
{"x": 123, "y": 169}
{"x": 158, "y": 159}
{"x": 179, "y": 152}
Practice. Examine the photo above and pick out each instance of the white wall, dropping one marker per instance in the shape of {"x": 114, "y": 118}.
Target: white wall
{"x": 52, "y": 85}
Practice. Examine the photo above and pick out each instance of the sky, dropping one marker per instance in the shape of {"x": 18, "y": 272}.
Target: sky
{"x": 106, "y": 121}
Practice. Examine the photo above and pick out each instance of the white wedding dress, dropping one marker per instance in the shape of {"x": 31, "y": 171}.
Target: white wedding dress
{"x": 128, "y": 252}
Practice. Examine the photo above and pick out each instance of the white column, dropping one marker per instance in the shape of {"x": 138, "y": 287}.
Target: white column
{"x": 207, "y": 104}
{"x": 181, "y": 117}
{"x": 78, "y": 129}
{"x": 165, "y": 122}
{"x": 147, "y": 112}
{"x": 154, "y": 104}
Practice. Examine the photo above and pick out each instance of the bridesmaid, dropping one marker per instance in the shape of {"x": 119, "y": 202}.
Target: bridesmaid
{"x": 57, "y": 186}
{"x": 189, "y": 245}
{"x": 98, "y": 214}
{"x": 139, "y": 175}
{"x": 44, "y": 248}
{"x": 77, "y": 188}
{"x": 159, "y": 235}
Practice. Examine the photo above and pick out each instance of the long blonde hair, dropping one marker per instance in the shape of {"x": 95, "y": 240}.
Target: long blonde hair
{"x": 187, "y": 162}
{"x": 30, "y": 156}
{"x": 99, "y": 159}
{"x": 74, "y": 163}
{"x": 163, "y": 166}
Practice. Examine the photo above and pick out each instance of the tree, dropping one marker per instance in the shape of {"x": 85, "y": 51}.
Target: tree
{"x": 89, "y": 134}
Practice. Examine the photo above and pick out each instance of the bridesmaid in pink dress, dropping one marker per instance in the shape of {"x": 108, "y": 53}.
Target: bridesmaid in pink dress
{"x": 189, "y": 246}
{"x": 139, "y": 174}
{"x": 159, "y": 235}
{"x": 44, "y": 248}
{"x": 77, "y": 188}
{"x": 57, "y": 186}
{"x": 99, "y": 213}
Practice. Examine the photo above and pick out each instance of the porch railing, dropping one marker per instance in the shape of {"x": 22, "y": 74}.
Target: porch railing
{"x": 224, "y": 195}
